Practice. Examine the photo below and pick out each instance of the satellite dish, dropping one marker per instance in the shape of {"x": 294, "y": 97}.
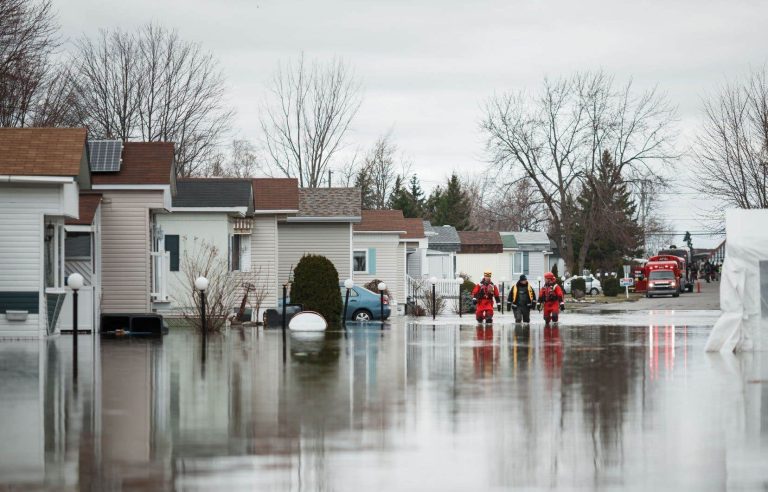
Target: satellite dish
{"x": 308, "y": 321}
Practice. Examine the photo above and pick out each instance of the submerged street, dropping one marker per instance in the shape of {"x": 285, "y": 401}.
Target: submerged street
{"x": 603, "y": 401}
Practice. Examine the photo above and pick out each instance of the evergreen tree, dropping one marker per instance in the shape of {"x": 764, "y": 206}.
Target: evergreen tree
{"x": 606, "y": 201}
{"x": 410, "y": 201}
{"x": 450, "y": 206}
{"x": 364, "y": 181}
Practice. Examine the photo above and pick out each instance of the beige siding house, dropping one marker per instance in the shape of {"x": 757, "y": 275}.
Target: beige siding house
{"x": 322, "y": 225}
{"x": 134, "y": 267}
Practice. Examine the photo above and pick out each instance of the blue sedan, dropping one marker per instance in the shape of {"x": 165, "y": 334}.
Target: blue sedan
{"x": 364, "y": 305}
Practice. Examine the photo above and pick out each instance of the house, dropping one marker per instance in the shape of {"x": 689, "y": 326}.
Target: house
{"x": 442, "y": 246}
{"x": 416, "y": 246}
{"x": 137, "y": 183}
{"x": 42, "y": 172}
{"x": 531, "y": 254}
{"x": 322, "y": 225}
{"x": 206, "y": 215}
{"x": 379, "y": 252}
{"x": 482, "y": 251}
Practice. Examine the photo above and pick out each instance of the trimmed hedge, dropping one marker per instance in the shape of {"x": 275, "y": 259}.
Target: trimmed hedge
{"x": 579, "y": 284}
{"x": 611, "y": 287}
{"x": 316, "y": 287}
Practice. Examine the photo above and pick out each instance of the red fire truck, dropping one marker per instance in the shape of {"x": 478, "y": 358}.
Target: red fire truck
{"x": 663, "y": 277}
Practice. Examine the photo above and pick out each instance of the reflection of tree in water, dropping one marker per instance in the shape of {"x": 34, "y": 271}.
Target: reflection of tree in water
{"x": 601, "y": 366}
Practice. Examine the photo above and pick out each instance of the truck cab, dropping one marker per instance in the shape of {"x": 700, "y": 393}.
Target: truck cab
{"x": 663, "y": 278}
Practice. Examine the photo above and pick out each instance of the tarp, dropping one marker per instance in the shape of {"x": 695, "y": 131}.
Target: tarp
{"x": 744, "y": 284}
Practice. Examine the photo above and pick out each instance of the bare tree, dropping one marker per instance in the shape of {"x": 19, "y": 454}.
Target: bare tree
{"x": 150, "y": 85}
{"x": 204, "y": 259}
{"x": 732, "y": 148}
{"x": 240, "y": 160}
{"x": 500, "y": 206}
{"x": 34, "y": 89}
{"x": 305, "y": 125}
{"x": 556, "y": 138}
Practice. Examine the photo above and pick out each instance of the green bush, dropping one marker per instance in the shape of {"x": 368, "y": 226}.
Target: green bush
{"x": 578, "y": 284}
{"x": 316, "y": 287}
{"x": 611, "y": 287}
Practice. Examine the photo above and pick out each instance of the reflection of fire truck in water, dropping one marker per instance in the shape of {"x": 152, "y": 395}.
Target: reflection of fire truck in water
{"x": 674, "y": 260}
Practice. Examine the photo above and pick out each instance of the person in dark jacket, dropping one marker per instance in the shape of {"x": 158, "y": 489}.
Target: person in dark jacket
{"x": 521, "y": 300}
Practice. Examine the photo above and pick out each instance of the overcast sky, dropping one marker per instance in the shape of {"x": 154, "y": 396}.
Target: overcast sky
{"x": 427, "y": 66}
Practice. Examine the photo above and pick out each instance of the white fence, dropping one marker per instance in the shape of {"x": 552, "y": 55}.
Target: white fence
{"x": 446, "y": 288}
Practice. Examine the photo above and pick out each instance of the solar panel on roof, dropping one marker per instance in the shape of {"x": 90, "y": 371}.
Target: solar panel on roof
{"x": 105, "y": 155}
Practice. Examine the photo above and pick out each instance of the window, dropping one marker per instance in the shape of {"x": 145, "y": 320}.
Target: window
{"x": 172, "y": 247}
{"x": 661, "y": 275}
{"x": 517, "y": 263}
{"x": 77, "y": 245}
{"x": 240, "y": 253}
{"x": 360, "y": 261}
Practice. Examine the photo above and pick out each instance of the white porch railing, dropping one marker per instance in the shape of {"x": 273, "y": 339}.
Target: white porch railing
{"x": 161, "y": 271}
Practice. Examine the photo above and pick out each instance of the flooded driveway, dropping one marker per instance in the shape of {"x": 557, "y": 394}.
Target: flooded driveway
{"x": 404, "y": 408}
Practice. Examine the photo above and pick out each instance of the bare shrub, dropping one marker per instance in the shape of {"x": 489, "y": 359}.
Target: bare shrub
{"x": 205, "y": 259}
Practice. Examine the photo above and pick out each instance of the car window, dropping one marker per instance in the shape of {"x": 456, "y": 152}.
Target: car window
{"x": 661, "y": 275}
{"x": 352, "y": 292}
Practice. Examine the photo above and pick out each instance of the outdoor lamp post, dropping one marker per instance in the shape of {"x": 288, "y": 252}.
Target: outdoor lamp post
{"x": 433, "y": 281}
{"x": 382, "y": 287}
{"x": 75, "y": 282}
{"x": 538, "y": 279}
{"x": 460, "y": 282}
{"x": 201, "y": 283}
{"x": 503, "y": 284}
{"x": 348, "y": 284}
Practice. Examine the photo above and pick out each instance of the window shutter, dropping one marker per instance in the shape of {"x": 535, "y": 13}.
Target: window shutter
{"x": 172, "y": 246}
{"x": 229, "y": 253}
{"x": 526, "y": 263}
{"x": 245, "y": 256}
{"x": 372, "y": 261}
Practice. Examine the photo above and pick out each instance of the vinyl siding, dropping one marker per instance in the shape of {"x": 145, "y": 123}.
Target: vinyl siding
{"x": 414, "y": 264}
{"x": 264, "y": 255}
{"x": 126, "y": 245}
{"x": 331, "y": 240}
{"x": 389, "y": 262}
{"x": 22, "y": 210}
{"x": 194, "y": 230}
{"x": 475, "y": 264}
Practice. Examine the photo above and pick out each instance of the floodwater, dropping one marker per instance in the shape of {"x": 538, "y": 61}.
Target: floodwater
{"x": 403, "y": 408}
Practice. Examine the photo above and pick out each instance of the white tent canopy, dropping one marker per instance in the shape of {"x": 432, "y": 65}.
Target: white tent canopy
{"x": 744, "y": 284}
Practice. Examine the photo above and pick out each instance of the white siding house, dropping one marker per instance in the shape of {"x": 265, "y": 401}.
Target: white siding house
{"x": 42, "y": 171}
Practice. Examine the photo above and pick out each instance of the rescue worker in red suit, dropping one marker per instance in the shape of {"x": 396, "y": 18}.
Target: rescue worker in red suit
{"x": 551, "y": 297}
{"x": 484, "y": 296}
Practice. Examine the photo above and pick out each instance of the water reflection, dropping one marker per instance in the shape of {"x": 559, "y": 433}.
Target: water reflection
{"x": 451, "y": 408}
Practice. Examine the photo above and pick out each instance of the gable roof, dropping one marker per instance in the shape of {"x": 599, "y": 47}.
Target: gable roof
{"x": 508, "y": 240}
{"x": 275, "y": 194}
{"x": 330, "y": 202}
{"x": 144, "y": 163}
{"x": 442, "y": 238}
{"x": 88, "y": 203}
{"x": 381, "y": 221}
{"x": 531, "y": 238}
{"x": 213, "y": 193}
{"x": 42, "y": 151}
{"x": 414, "y": 229}
{"x": 480, "y": 242}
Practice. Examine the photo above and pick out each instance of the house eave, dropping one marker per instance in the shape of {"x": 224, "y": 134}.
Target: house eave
{"x": 323, "y": 219}
{"x": 10, "y": 178}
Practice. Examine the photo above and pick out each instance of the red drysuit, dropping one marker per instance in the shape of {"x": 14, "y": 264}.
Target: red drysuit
{"x": 485, "y": 294}
{"x": 551, "y": 295}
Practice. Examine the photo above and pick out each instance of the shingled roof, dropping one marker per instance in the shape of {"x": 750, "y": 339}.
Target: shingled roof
{"x": 329, "y": 202}
{"x": 381, "y": 221}
{"x": 414, "y": 229}
{"x": 213, "y": 193}
{"x": 143, "y": 163}
{"x": 480, "y": 242}
{"x": 42, "y": 151}
{"x": 88, "y": 203}
{"x": 275, "y": 194}
{"x": 442, "y": 238}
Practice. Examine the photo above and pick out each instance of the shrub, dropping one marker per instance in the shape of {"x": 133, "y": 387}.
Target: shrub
{"x": 316, "y": 287}
{"x": 578, "y": 284}
{"x": 554, "y": 271}
{"x": 611, "y": 287}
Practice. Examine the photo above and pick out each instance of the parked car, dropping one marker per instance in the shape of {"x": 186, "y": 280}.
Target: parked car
{"x": 364, "y": 305}
{"x": 593, "y": 285}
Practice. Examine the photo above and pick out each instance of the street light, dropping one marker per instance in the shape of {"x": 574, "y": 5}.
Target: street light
{"x": 201, "y": 284}
{"x": 75, "y": 282}
{"x": 460, "y": 282}
{"x": 539, "y": 280}
{"x": 382, "y": 287}
{"x": 433, "y": 281}
{"x": 348, "y": 284}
